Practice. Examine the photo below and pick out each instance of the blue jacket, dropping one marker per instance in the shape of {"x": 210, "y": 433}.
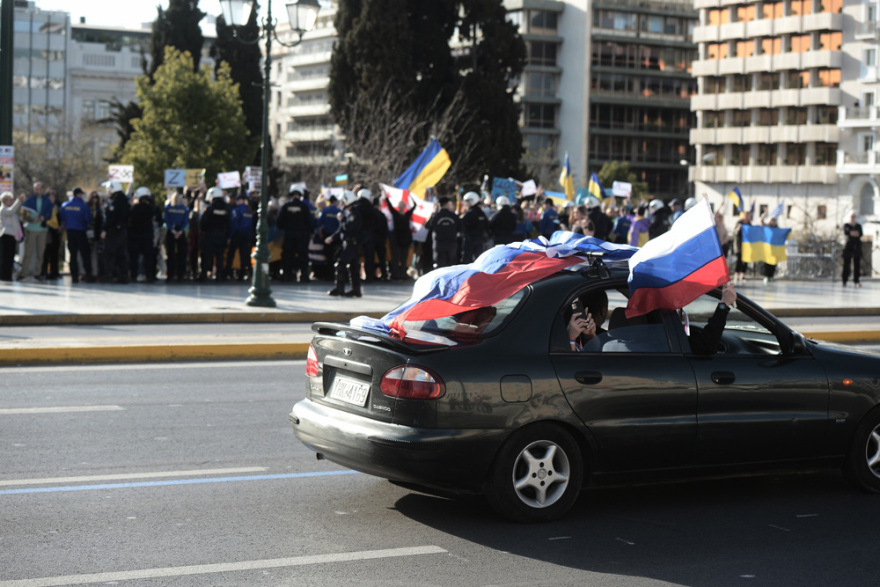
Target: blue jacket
{"x": 328, "y": 221}
{"x": 76, "y": 214}
{"x": 176, "y": 217}
{"x": 30, "y": 205}
{"x": 242, "y": 221}
{"x": 549, "y": 222}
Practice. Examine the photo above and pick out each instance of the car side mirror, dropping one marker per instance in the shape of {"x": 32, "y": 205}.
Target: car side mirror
{"x": 791, "y": 342}
{"x": 798, "y": 344}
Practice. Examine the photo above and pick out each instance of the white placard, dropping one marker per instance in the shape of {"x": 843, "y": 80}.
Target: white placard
{"x": 528, "y": 188}
{"x": 228, "y": 180}
{"x": 121, "y": 173}
{"x": 175, "y": 178}
{"x": 7, "y": 168}
{"x": 622, "y": 188}
{"x": 253, "y": 176}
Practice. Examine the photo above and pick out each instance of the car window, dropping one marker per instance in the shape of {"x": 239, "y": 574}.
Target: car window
{"x": 468, "y": 326}
{"x": 616, "y": 333}
{"x": 742, "y": 333}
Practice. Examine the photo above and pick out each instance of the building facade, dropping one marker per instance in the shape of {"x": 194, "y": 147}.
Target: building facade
{"x": 769, "y": 85}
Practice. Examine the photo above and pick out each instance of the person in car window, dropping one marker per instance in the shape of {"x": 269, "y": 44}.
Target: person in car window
{"x": 583, "y": 327}
{"x": 704, "y": 341}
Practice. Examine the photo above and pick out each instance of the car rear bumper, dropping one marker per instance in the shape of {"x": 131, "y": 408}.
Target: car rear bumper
{"x": 449, "y": 459}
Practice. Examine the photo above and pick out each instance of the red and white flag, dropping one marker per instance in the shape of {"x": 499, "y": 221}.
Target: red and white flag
{"x": 403, "y": 200}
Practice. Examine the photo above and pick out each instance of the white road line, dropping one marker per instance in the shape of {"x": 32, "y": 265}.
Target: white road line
{"x": 60, "y": 410}
{"x": 125, "y": 476}
{"x": 295, "y": 561}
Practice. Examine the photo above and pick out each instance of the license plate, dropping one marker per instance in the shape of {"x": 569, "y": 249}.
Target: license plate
{"x": 350, "y": 391}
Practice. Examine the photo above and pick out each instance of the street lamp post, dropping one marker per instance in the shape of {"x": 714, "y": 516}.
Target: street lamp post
{"x": 302, "y": 15}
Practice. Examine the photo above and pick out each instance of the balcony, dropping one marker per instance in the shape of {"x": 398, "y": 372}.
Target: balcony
{"x": 863, "y": 163}
{"x": 705, "y": 67}
{"x": 785, "y": 61}
{"x": 818, "y": 133}
{"x": 729, "y": 136}
{"x": 733, "y": 31}
{"x": 706, "y": 34}
{"x": 758, "y": 99}
{"x": 782, "y": 174}
{"x": 821, "y": 58}
{"x": 759, "y": 28}
{"x": 731, "y": 101}
{"x": 307, "y": 84}
{"x": 786, "y": 98}
{"x": 732, "y": 65}
{"x": 759, "y": 63}
{"x": 822, "y": 21}
{"x": 866, "y": 117}
{"x": 820, "y": 96}
{"x": 704, "y": 102}
{"x": 304, "y": 110}
{"x": 787, "y": 25}
{"x": 784, "y": 134}
{"x": 756, "y": 134}
{"x": 703, "y": 136}
{"x": 867, "y": 31}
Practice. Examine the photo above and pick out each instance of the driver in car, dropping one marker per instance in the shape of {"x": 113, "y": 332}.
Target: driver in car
{"x": 704, "y": 341}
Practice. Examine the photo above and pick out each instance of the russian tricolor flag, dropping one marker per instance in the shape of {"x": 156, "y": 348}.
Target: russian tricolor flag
{"x": 674, "y": 269}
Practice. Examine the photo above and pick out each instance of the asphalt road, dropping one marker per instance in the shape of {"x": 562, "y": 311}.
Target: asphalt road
{"x": 188, "y": 474}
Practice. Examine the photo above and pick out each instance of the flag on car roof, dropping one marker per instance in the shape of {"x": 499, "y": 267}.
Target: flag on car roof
{"x": 426, "y": 170}
{"x": 764, "y": 243}
{"x": 566, "y": 180}
{"x": 496, "y": 275}
{"x": 680, "y": 265}
{"x": 737, "y": 199}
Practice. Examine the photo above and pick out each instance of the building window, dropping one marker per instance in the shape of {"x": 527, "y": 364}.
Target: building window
{"x": 795, "y": 154}
{"x": 798, "y": 80}
{"x": 821, "y": 212}
{"x": 796, "y": 116}
{"x": 801, "y": 7}
{"x": 745, "y": 13}
{"x": 716, "y": 51}
{"x": 826, "y": 114}
{"x": 541, "y": 53}
{"x": 102, "y": 110}
{"x": 826, "y": 154}
{"x": 540, "y": 116}
{"x": 829, "y": 78}
{"x": 714, "y": 85}
{"x": 739, "y": 154}
{"x": 745, "y": 48}
{"x": 767, "y": 154}
{"x": 830, "y": 6}
{"x": 768, "y": 81}
{"x": 742, "y": 83}
{"x": 771, "y": 46}
{"x": 772, "y": 10}
{"x": 870, "y": 57}
{"x": 652, "y": 23}
{"x": 799, "y": 43}
{"x": 88, "y": 110}
{"x": 718, "y": 16}
{"x": 830, "y": 41}
{"x": 612, "y": 19}
{"x": 713, "y": 119}
{"x": 542, "y": 22}
{"x": 740, "y": 118}
{"x": 768, "y": 117}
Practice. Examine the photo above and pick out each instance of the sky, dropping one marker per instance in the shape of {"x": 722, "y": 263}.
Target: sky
{"x": 126, "y": 13}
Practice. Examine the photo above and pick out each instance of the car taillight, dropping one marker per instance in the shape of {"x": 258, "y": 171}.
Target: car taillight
{"x": 311, "y": 362}
{"x": 412, "y": 383}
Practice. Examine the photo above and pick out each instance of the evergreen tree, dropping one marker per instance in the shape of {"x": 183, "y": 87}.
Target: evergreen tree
{"x": 190, "y": 120}
{"x": 398, "y": 52}
{"x": 240, "y": 48}
{"x": 177, "y": 27}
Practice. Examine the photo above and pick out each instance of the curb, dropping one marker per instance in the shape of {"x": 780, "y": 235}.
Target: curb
{"x": 216, "y": 318}
{"x": 248, "y": 352}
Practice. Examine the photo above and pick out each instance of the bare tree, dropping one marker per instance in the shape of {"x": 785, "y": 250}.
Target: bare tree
{"x": 58, "y": 157}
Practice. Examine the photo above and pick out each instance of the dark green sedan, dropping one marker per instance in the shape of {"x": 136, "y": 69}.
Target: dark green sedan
{"x": 499, "y": 401}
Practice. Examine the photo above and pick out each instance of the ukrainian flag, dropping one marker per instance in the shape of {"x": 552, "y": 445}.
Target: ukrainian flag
{"x": 595, "y": 188}
{"x": 737, "y": 199}
{"x": 566, "y": 180}
{"x": 764, "y": 243}
{"x": 426, "y": 171}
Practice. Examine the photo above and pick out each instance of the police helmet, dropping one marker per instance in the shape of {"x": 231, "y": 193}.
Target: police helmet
{"x": 348, "y": 198}
{"x": 503, "y": 201}
{"x": 143, "y": 192}
{"x": 365, "y": 194}
{"x": 294, "y": 189}
{"x": 655, "y": 205}
{"x": 472, "y": 198}
{"x": 591, "y": 202}
{"x": 690, "y": 203}
{"x": 215, "y": 193}
{"x": 113, "y": 186}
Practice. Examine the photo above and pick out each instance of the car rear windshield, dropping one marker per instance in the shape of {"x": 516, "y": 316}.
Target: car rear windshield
{"x": 465, "y": 327}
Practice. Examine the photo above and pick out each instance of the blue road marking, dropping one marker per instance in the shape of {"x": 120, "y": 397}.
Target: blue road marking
{"x": 175, "y": 482}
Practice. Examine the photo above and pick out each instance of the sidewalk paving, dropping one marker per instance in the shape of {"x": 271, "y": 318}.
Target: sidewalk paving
{"x": 108, "y": 323}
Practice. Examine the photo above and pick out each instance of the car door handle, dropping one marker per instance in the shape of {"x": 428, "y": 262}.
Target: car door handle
{"x": 723, "y": 377}
{"x": 588, "y": 377}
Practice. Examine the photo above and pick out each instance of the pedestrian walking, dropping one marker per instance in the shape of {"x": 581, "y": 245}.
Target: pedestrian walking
{"x": 348, "y": 266}
{"x": 852, "y": 251}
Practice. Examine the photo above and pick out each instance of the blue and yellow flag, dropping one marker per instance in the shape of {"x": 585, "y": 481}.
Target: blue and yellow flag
{"x": 596, "y": 189}
{"x": 566, "y": 180}
{"x": 764, "y": 243}
{"x": 425, "y": 171}
{"x": 737, "y": 199}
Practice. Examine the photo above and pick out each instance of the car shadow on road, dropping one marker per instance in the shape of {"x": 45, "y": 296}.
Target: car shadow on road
{"x": 799, "y": 529}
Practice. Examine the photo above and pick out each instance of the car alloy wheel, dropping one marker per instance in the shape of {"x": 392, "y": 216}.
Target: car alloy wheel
{"x": 537, "y": 474}
{"x": 863, "y": 464}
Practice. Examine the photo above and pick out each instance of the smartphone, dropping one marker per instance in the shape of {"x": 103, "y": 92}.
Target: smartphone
{"x": 578, "y": 306}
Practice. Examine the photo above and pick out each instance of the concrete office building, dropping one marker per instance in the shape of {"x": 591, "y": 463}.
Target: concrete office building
{"x": 770, "y": 76}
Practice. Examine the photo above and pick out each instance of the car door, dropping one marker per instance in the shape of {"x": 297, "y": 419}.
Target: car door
{"x": 634, "y": 391}
{"x": 756, "y": 404}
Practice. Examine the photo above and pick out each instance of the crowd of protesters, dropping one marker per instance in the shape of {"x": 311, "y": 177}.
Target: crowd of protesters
{"x": 346, "y": 239}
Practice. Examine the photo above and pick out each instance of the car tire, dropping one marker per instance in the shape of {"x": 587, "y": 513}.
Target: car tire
{"x": 862, "y": 466}
{"x": 537, "y": 475}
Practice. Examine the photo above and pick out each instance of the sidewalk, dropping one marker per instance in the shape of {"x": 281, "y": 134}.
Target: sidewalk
{"x": 59, "y": 323}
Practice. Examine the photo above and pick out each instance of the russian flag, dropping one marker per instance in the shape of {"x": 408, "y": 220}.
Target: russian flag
{"x": 764, "y": 243}
{"x": 496, "y": 275}
{"x": 426, "y": 170}
{"x": 677, "y": 267}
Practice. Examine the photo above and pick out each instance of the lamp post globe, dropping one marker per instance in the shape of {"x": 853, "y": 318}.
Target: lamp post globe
{"x": 303, "y": 15}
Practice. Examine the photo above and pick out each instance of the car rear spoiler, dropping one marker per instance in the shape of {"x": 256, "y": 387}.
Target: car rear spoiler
{"x": 362, "y": 334}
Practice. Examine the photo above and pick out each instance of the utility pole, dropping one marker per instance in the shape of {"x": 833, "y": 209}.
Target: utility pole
{"x": 7, "y": 16}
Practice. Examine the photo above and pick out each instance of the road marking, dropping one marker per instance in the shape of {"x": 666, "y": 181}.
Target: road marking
{"x": 174, "y": 482}
{"x": 296, "y": 561}
{"x": 121, "y": 476}
{"x": 60, "y": 410}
